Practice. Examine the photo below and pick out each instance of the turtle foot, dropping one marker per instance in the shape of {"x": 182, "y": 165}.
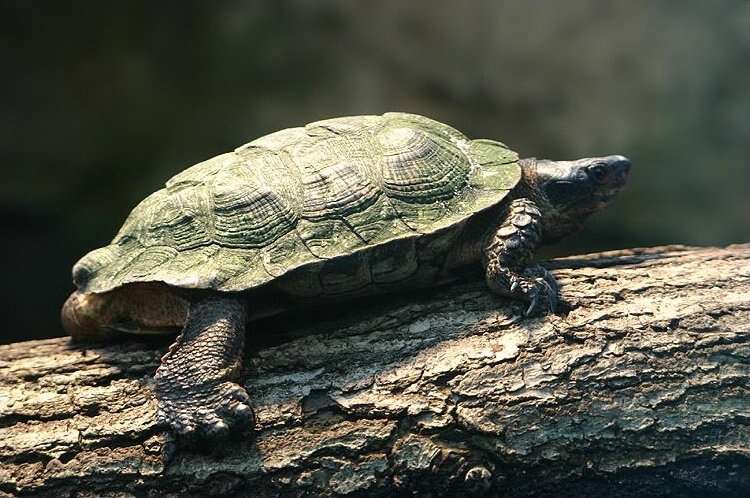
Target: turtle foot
{"x": 211, "y": 410}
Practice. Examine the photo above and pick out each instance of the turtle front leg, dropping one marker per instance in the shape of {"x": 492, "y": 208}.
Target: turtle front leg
{"x": 508, "y": 254}
{"x": 197, "y": 383}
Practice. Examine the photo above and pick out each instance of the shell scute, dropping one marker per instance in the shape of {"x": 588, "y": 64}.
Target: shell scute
{"x": 419, "y": 169}
{"x": 328, "y": 238}
{"x": 338, "y": 190}
{"x": 288, "y": 250}
{"x": 394, "y": 262}
{"x": 248, "y": 213}
{"x": 180, "y": 220}
{"x": 378, "y": 223}
{"x": 344, "y": 275}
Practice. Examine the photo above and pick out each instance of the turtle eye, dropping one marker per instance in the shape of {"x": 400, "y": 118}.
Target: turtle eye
{"x": 598, "y": 172}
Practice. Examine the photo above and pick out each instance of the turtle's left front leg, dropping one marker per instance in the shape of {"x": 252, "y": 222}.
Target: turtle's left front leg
{"x": 509, "y": 253}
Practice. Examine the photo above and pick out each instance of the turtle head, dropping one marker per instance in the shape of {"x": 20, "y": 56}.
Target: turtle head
{"x": 570, "y": 191}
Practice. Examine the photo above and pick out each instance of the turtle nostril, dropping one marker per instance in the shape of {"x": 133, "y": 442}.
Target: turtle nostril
{"x": 621, "y": 168}
{"x": 622, "y": 165}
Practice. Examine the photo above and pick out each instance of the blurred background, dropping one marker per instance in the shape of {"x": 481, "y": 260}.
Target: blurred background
{"x": 104, "y": 101}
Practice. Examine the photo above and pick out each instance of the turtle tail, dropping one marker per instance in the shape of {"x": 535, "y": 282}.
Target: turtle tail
{"x": 80, "y": 316}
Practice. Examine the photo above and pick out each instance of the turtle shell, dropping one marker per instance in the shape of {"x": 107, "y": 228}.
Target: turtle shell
{"x": 300, "y": 197}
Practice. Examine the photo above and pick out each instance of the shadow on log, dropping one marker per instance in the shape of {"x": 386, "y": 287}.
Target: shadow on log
{"x": 641, "y": 389}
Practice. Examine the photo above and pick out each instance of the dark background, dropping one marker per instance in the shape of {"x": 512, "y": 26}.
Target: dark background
{"x": 103, "y": 101}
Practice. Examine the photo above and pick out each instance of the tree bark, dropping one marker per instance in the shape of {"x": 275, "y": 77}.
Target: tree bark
{"x": 640, "y": 388}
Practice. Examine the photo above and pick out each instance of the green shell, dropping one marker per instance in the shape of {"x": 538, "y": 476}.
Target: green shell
{"x": 300, "y": 196}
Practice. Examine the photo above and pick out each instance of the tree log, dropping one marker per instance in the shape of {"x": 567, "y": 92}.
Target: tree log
{"x": 639, "y": 388}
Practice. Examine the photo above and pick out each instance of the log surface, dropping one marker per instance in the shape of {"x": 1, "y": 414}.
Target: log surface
{"x": 640, "y": 389}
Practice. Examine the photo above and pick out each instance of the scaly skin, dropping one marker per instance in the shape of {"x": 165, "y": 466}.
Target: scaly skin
{"x": 509, "y": 252}
{"x": 197, "y": 382}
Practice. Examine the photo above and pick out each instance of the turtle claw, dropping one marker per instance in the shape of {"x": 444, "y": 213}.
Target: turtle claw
{"x": 532, "y": 306}
{"x": 540, "y": 285}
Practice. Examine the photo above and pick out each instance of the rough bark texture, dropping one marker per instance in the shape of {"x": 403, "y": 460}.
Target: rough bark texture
{"x": 641, "y": 389}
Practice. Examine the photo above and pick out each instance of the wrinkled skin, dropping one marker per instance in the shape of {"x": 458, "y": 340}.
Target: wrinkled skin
{"x": 197, "y": 384}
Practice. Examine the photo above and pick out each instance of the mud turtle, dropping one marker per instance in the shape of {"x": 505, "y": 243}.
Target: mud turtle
{"x": 337, "y": 209}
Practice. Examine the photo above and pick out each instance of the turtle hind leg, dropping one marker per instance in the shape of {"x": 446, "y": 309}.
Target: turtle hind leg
{"x": 138, "y": 308}
{"x": 197, "y": 386}
{"x": 508, "y": 255}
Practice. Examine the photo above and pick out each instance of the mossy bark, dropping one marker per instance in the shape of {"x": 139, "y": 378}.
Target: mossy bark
{"x": 640, "y": 389}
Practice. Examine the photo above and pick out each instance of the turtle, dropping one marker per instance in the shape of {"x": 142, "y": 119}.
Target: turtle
{"x": 324, "y": 213}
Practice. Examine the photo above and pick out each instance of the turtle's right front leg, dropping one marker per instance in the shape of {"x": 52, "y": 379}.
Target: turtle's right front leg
{"x": 508, "y": 255}
{"x": 197, "y": 382}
